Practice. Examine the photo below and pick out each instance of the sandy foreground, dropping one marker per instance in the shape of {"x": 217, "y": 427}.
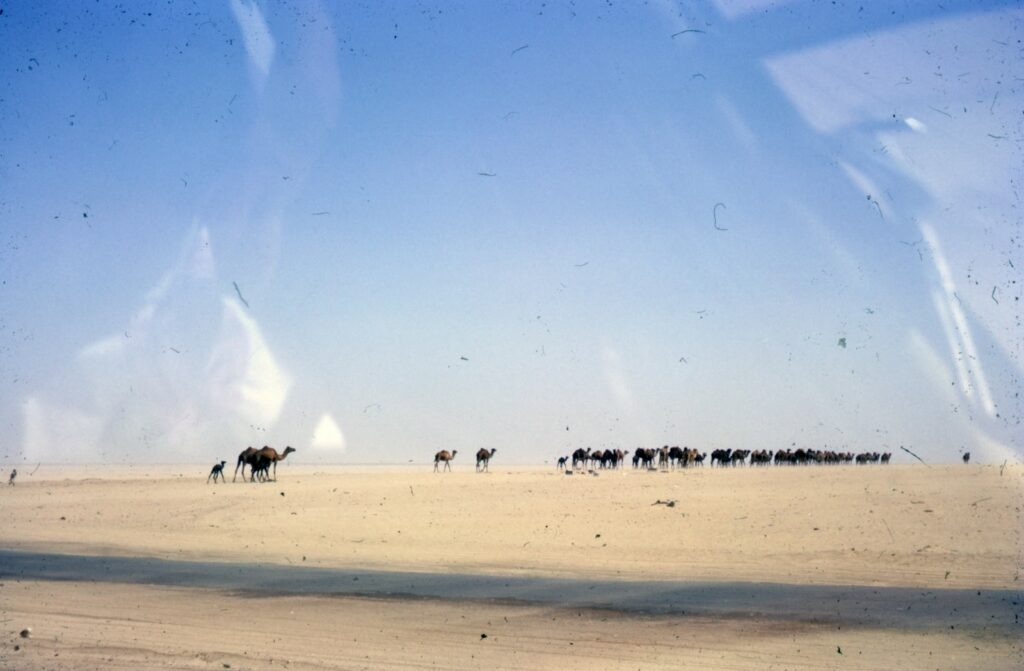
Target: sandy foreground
{"x": 923, "y": 563}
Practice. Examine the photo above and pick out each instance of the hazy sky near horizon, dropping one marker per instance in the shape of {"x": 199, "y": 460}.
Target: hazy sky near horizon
{"x": 375, "y": 230}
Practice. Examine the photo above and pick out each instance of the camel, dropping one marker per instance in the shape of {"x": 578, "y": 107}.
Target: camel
{"x": 483, "y": 458}
{"x": 246, "y": 456}
{"x": 739, "y": 457}
{"x": 580, "y": 457}
{"x": 217, "y": 472}
{"x": 273, "y": 456}
{"x": 612, "y": 458}
{"x": 644, "y": 456}
{"x": 723, "y": 457}
{"x": 446, "y": 457}
{"x": 967, "y": 457}
{"x": 14, "y": 474}
{"x": 562, "y": 461}
{"x": 260, "y": 471}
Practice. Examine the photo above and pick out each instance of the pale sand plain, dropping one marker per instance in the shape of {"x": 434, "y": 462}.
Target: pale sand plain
{"x": 897, "y": 538}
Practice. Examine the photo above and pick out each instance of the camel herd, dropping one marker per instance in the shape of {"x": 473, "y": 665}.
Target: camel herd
{"x": 682, "y": 457}
{"x": 259, "y": 462}
{"x": 262, "y": 462}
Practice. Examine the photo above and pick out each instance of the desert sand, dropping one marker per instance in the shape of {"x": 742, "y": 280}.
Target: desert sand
{"x": 399, "y": 567}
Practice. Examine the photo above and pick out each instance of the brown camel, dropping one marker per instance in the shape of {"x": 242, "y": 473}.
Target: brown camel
{"x": 271, "y": 455}
{"x": 246, "y": 456}
{"x": 446, "y": 457}
{"x": 483, "y": 458}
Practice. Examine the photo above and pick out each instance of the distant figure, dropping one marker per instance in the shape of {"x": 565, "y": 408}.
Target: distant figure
{"x": 967, "y": 458}
{"x": 14, "y": 474}
{"x": 562, "y": 461}
{"x": 217, "y": 472}
{"x": 446, "y": 457}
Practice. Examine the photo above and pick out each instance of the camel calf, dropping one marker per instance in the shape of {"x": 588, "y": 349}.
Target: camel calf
{"x": 217, "y": 472}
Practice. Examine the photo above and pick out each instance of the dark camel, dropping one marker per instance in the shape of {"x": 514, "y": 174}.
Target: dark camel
{"x": 273, "y": 456}
{"x": 483, "y": 458}
{"x": 245, "y": 457}
{"x": 644, "y": 456}
{"x": 260, "y": 471}
{"x": 967, "y": 457}
{"x": 217, "y": 472}
{"x": 580, "y": 457}
{"x": 446, "y": 457}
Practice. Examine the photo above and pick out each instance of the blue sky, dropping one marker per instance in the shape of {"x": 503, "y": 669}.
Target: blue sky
{"x": 530, "y": 226}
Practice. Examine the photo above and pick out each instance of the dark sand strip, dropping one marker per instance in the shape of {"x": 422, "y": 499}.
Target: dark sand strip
{"x": 993, "y": 610}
